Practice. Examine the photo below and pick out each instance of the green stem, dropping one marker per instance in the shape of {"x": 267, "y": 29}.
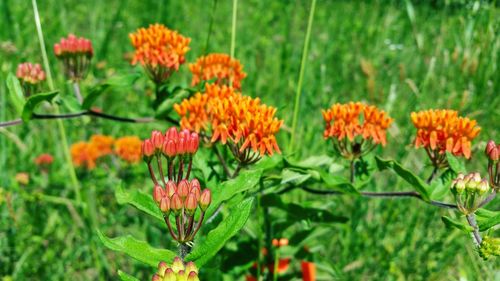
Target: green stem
{"x": 233, "y": 27}
{"x": 50, "y": 81}
{"x": 301, "y": 75}
{"x": 276, "y": 261}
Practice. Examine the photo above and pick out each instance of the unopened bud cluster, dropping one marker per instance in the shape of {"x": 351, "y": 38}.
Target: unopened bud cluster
{"x": 492, "y": 151}
{"x": 75, "y": 53}
{"x": 182, "y": 200}
{"x": 174, "y": 192}
{"x": 469, "y": 191}
{"x": 490, "y": 247}
{"x": 30, "y": 75}
{"x": 178, "y": 271}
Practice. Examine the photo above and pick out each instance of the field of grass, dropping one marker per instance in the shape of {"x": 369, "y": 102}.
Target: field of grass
{"x": 398, "y": 55}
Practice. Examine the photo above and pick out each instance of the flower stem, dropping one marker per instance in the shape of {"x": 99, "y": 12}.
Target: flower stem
{"x": 62, "y": 131}
{"x": 78, "y": 94}
{"x": 471, "y": 219}
{"x": 352, "y": 169}
{"x": 298, "y": 93}
{"x": 233, "y": 28}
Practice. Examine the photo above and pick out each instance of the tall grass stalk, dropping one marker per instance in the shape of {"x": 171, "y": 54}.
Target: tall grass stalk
{"x": 233, "y": 27}
{"x": 50, "y": 81}
{"x": 298, "y": 93}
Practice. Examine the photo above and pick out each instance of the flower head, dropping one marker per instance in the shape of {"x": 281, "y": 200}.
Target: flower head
{"x": 232, "y": 117}
{"x": 443, "y": 130}
{"x": 30, "y": 76}
{"x": 75, "y": 53}
{"x": 129, "y": 149}
{"x": 44, "y": 159}
{"x": 353, "y": 121}
{"x": 103, "y": 144}
{"x": 84, "y": 154}
{"x": 159, "y": 50}
{"x": 222, "y": 67}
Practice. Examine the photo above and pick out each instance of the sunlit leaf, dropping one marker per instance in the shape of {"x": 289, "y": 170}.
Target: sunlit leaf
{"x": 456, "y": 224}
{"x": 15, "y": 92}
{"x": 126, "y": 277}
{"x": 35, "y": 100}
{"x": 141, "y": 201}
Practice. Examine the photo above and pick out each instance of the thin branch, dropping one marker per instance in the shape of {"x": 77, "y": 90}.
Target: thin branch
{"x": 222, "y": 161}
{"x": 434, "y": 173}
{"x": 488, "y": 199}
{"x": 471, "y": 219}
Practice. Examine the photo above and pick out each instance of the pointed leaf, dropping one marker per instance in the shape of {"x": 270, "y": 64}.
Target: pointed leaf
{"x": 487, "y": 219}
{"x": 140, "y": 200}
{"x": 338, "y": 183}
{"x": 217, "y": 238}
{"x": 455, "y": 163}
{"x": 456, "y": 224}
{"x": 15, "y": 92}
{"x": 137, "y": 249}
{"x": 126, "y": 277}
{"x": 405, "y": 174}
{"x": 35, "y": 100}
{"x": 126, "y": 80}
{"x": 294, "y": 177}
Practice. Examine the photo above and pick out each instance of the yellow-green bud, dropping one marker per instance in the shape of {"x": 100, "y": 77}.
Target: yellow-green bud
{"x": 490, "y": 246}
{"x": 483, "y": 187}
{"x": 177, "y": 265}
{"x": 460, "y": 186}
{"x": 191, "y": 267}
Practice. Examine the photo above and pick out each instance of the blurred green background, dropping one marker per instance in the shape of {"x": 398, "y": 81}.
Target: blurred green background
{"x": 399, "y": 55}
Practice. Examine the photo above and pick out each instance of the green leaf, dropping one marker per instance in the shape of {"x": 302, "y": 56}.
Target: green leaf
{"x": 16, "y": 93}
{"x": 166, "y": 107}
{"x": 247, "y": 179}
{"x": 141, "y": 201}
{"x": 487, "y": 219}
{"x": 294, "y": 177}
{"x": 405, "y": 174}
{"x": 124, "y": 81}
{"x": 268, "y": 163}
{"x": 137, "y": 249}
{"x": 217, "y": 238}
{"x": 311, "y": 162}
{"x": 338, "y": 183}
{"x": 71, "y": 103}
{"x": 454, "y": 223}
{"x": 35, "y": 100}
{"x": 456, "y": 165}
{"x": 126, "y": 277}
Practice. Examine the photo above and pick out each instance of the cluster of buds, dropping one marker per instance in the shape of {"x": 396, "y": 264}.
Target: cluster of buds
{"x": 75, "y": 53}
{"x": 490, "y": 247}
{"x": 470, "y": 191}
{"x": 493, "y": 153}
{"x": 175, "y": 194}
{"x": 43, "y": 161}
{"x": 178, "y": 271}
{"x": 30, "y": 75}
{"x": 182, "y": 200}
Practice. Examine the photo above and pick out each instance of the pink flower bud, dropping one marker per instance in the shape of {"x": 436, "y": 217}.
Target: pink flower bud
{"x": 157, "y": 139}
{"x": 169, "y": 275}
{"x": 193, "y": 276}
{"x": 194, "y": 141}
{"x": 162, "y": 267}
{"x": 191, "y": 267}
{"x": 57, "y": 49}
{"x": 156, "y": 277}
{"x": 196, "y": 190}
{"x": 176, "y": 204}
{"x": 171, "y": 188}
{"x": 185, "y": 134}
{"x": 492, "y": 151}
{"x": 191, "y": 204}
{"x": 205, "y": 199}
{"x": 181, "y": 146}
{"x": 158, "y": 193}
{"x": 183, "y": 189}
{"x": 165, "y": 204}
{"x": 172, "y": 134}
{"x": 147, "y": 150}
{"x": 169, "y": 148}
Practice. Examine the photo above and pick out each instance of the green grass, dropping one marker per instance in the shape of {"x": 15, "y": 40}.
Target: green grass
{"x": 454, "y": 65}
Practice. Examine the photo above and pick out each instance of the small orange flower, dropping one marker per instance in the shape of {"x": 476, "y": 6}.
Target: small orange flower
{"x": 103, "y": 144}
{"x": 231, "y": 116}
{"x": 84, "y": 154}
{"x": 443, "y": 130}
{"x": 129, "y": 149}
{"x": 308, "y": 271}
{"x": 283, "y": 265}
{"x": 356, "y": 119}
{"x": 280, "y": 242}
{"x": 159, "y": 50}
{"x": 44, "y": 159}
{"x": 225, "y": 69}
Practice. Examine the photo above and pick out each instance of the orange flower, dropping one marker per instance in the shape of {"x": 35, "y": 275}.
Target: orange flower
{"x": 283, "y": 265}
{"x": 356, "y": 119}
{"x": 129, "y": 149}
{"x": 44, "y": 159}
{"x": 84, "y": 154}
{"x": 229, "y": 115}
{"x": 280, "y": 242}
{"x": 103, "y": 144}
{"x": 443, "y": 130}
{"x": 225, "y": 69}
{"x": 308, "y": 271}
{"x": 159, "y": 50}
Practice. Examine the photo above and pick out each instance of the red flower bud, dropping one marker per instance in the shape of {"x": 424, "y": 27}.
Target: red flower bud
{"x": 171, "y": 188}
{"x": 205, "y": 199}
{"x": 158, "y": 193}
{"x": 157, "y": 139}
{"x": 196, "y": 190}
{"x": 147, "y": 150}
{"x": 181, "y": 146}
{"x": 172, "y": 134}
{"x": 165, "y": 205}
{"x": 169, "y": 149}
{"x": 193, "y": 276}
{"x": 162, "y": 267}
{"x": 183, "y": 188}
{"x": 492, "y": 151}
{"x": 176, "y": 204}
{"x": 184, "y": 134}
{"x": 193, "y": 144}
{"x": 191, "y": 204}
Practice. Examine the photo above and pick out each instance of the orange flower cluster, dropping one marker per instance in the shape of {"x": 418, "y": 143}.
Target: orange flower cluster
{"x": 129, "y": 148}
{"x": 356, "y": 119}
{"x": 443, "y": 130}
{"x": 159, "y": 49}
{"x": 84, "y": 154}
{"x": 225, "y": 69}
{"x": 229, "y": 115}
